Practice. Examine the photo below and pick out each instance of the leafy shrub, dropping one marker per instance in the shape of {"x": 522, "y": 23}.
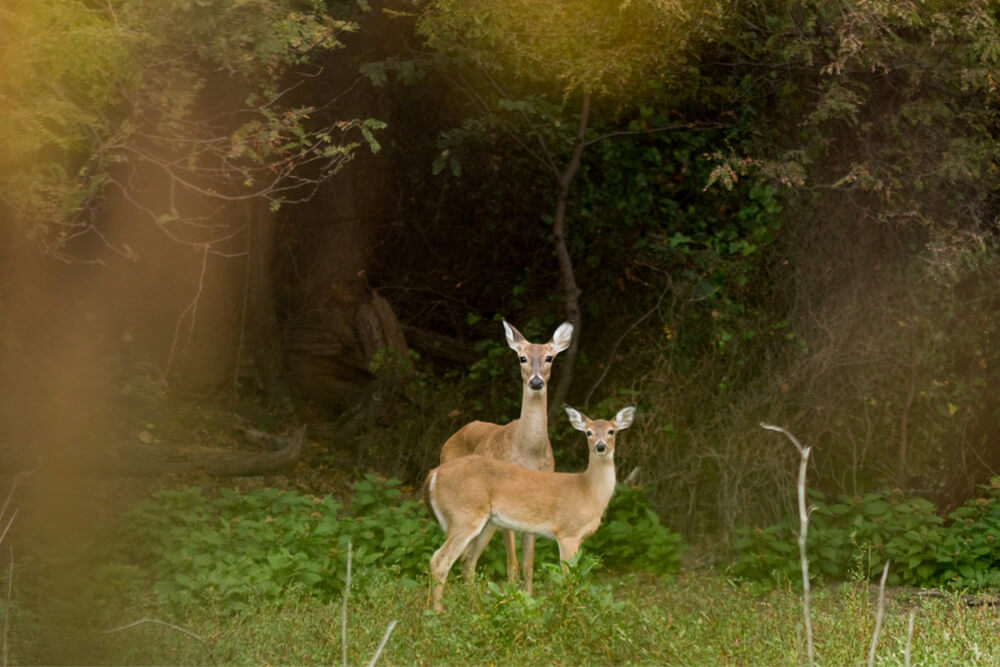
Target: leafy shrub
{"x": 846, "y": 533}
{"x": 573, "y": 599}
{"x": 631, "y": 535}
{"x": 968, "y": 555}
{"x": 239, "y": 547}
{"x": 859, "y": 534}
{"x": 387, "y": 532}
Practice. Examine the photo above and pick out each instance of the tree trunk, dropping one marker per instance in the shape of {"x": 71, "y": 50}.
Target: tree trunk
{"x": 571, "y": 291}
{"x": 260, "y": 339}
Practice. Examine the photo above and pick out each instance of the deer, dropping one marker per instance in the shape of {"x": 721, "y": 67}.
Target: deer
{"x": 523, "y": 441}
{"x": 472, "y": 494}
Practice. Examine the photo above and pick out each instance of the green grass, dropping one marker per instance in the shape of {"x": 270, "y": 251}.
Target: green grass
{"x": 585, "y": 618}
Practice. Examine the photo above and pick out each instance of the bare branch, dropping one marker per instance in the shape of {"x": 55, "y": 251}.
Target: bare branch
{"x": 614, "y": 348}
{"x": 192, "y": 308}
{"x": 803, "y": 532}
{"x": 9, "y": 524}
{"x": 795, "y": 441}
{"x": 6, "y": 616}
{"x": 909, "y": 639}
{"x": 13, "y": 486}
{"x": 656, "y": 130}
{"x": 343, "y": 611}
{"x": 879, "y": 614}
{"x": 542, "y": 158}
{"x": 385, "y": 638}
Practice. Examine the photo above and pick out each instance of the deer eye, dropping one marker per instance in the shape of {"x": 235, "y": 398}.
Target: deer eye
{"x": 524, "y": 359}
{"x": 590, "y": 433}
{"x": 549, "y": 358}
{"x": 611, "y": 431}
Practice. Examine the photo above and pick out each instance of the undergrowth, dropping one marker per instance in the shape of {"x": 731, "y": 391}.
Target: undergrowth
{"x": 854, "y": 536}
{"x": 258, "y": 577}
{"x": 234, "y": 548}
{"x": 580, "y": 618}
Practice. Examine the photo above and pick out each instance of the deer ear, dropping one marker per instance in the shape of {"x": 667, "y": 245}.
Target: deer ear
{"x": 514, "y": 337}
{"x": 624, "y": 418}
{"x": 562, "y": 337}
{"x": 575, "y": 418}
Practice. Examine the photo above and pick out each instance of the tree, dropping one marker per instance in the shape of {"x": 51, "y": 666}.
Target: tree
{"x": 536, "y": 72}
{"x": 185, "y": 118}
{"x": 888, "y": 111}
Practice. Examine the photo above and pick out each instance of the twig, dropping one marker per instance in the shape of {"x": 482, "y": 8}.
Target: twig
{"x": 9, "y": 523}
{"x": 191, "y": 308}
{"x": 6, "y": 615}
{"x": 343, "y": 613}
{"x": 10, "y": 576}
{"x": 178, "y": 628}
{"x": 879, "y": 614}
{"x": 654, "y": 130}
{"x": 909, "y": 639}
{"x": 114, "y": 17}
{"x": 614, "y": 348}
{"x": 803, "y": 531}
{"x": 13, "y": 486}
{"x": 385, "y": 638}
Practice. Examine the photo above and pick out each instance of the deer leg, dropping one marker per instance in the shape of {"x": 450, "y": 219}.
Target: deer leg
{"x": 527, "y": 560}
{"x": 442, "y": 560}
{"x": 510, "y": 546}
{"x": 475, "y": 549}
{"x": 568, "y": 547}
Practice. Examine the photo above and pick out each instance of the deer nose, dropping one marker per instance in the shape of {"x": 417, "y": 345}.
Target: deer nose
{"x": 536, "y": 382}
{"x": 600, "y": 447}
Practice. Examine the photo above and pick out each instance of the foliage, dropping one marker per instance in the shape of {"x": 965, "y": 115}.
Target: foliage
{"x": 857, "y": 535}
{"x": 967, "y": 553}
{"x": 237, "y": 548}
{"x": 388, "y": 531}
{"x": 192, "y": 91}
{"x": 257, "y": 546}
{"x": 593, "y": 46}
{"x": 888, "y": 104}
{"x": 632, "y": 537}
{"x": 645, "y": 197}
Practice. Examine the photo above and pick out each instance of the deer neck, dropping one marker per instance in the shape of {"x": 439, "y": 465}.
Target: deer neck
{"x": 532, "y": 431}
{"x": 600, "y": 478}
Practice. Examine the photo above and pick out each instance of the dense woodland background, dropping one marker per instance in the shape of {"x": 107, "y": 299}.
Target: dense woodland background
{"x": 300, "y": 211}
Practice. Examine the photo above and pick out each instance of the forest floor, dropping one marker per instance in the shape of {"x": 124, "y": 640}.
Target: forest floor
{"x": 698, "y": 618}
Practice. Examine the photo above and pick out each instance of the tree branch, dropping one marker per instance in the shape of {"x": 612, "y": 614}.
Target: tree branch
{"x": 655, "y": 130}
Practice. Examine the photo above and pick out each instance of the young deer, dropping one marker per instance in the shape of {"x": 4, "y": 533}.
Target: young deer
{"x": 470, "y": 495}
{"x": 524, "y": 441}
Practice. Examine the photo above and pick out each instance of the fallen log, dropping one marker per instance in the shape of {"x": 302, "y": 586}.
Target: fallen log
{"x": 152, "y": 460}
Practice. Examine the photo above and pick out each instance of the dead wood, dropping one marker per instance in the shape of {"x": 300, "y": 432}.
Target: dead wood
{"x": 440, "y": 346}
{"x": 158, "y": 460}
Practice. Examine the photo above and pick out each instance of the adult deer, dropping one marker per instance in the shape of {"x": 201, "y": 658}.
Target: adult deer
{"x": 470, "y": 495}
{"x": 524, "y": 441}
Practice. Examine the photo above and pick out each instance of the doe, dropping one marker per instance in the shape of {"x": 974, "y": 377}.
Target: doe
{"x": 470, "y": 495}
{"x": 524, "y": 441}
